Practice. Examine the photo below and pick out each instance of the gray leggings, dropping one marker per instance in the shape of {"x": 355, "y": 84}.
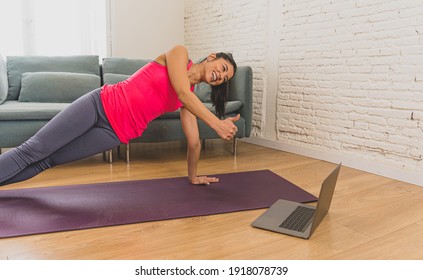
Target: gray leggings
{"x": 79, "y": 131}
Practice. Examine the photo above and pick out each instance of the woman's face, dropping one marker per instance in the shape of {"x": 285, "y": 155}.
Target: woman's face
{"x": 218, "y": 70}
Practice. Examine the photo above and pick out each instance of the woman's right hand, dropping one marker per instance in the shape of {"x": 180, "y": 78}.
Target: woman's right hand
{"x": 203, "y": 180}
{"x": 226, "y": 128}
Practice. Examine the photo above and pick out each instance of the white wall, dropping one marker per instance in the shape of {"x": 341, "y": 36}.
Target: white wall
{"x": 145, "y": 29}
{"x": 334, "y": 80}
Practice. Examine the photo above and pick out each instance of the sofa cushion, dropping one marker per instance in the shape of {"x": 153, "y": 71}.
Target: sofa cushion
{"x": 203, "y": 91}
{"x": 14, "y": 110}
{"x": 3, "y": 80}
{"x": 56, "y": 87}
{"x": 230, "y": 107}
{"x": 110, "y": 79}
{"x": 17, "y": 65}
{"x": 125, "y": 66}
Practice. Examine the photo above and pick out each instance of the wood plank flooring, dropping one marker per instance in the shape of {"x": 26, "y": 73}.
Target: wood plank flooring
{"x": 371, "y": 217}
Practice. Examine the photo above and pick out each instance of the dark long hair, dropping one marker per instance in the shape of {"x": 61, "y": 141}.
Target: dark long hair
{"x": 219, "y": 94}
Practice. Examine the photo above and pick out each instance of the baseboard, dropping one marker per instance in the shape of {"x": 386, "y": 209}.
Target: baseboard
{"x": 347, "y": 160}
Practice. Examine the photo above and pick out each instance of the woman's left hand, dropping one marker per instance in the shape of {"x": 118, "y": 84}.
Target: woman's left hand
{"x": 203, "y": 180}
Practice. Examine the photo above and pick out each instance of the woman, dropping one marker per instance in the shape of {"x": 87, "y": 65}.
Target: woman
{"x": 114, "y": 114}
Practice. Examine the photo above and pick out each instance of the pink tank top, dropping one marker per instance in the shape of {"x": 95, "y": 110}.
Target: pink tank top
{"x": 131, "y": 104}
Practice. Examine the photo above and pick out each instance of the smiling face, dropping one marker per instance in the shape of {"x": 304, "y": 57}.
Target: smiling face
{"x": 218, "y": 70}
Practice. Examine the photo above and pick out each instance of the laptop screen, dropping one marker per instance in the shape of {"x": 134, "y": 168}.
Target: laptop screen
{"x": 325, "y": 197}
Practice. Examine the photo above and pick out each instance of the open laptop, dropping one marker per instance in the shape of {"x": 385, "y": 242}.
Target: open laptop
{"x": 298, "y": 219}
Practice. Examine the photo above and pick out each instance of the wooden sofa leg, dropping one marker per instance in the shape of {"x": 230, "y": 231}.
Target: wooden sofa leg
{"x": 126, "y": 159}
{"x": 234, "y": 146}
{"x": 119, "y": 152}
{"x": 110, "y": 152}
{"x": 108, "y": 156}
{"x": 127, "y": 153}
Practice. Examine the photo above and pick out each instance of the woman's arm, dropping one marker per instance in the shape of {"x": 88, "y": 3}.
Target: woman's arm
{"x": 190, "y": 127}
{"x": 176, "y": 62}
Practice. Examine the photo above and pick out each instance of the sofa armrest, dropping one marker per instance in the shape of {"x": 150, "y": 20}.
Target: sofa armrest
{"x": 241, "y": 88}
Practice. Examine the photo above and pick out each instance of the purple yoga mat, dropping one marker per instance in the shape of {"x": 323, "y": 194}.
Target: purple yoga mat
{"x": 52, "y": 209}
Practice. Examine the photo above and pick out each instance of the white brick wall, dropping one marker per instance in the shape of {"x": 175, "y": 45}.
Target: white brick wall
{"x": 350, "y": 72}
{"x": 351, "y": 79}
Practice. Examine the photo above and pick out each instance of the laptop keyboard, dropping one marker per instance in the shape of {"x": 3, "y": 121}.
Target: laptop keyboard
{"x": 299, "y": 219}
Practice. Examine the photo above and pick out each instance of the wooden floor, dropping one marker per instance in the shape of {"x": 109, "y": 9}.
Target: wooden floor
{"x": 371, "y": 217}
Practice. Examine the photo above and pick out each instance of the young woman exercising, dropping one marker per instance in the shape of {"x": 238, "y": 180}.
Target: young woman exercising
{"x": 115, "y": 114}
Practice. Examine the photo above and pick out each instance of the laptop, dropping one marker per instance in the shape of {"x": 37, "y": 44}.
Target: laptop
{"x": 298, "y": 219}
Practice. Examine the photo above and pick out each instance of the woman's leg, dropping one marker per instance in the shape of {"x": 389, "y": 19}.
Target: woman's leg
{"x": 94, "y": 141}
{"x": 76, "y": 120}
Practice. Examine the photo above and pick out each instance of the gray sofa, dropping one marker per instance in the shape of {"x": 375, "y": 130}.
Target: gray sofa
{"x": 33, "y": 89}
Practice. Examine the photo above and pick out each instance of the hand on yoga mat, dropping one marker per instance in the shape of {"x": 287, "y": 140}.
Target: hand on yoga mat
{"x": 203, "y": 180}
